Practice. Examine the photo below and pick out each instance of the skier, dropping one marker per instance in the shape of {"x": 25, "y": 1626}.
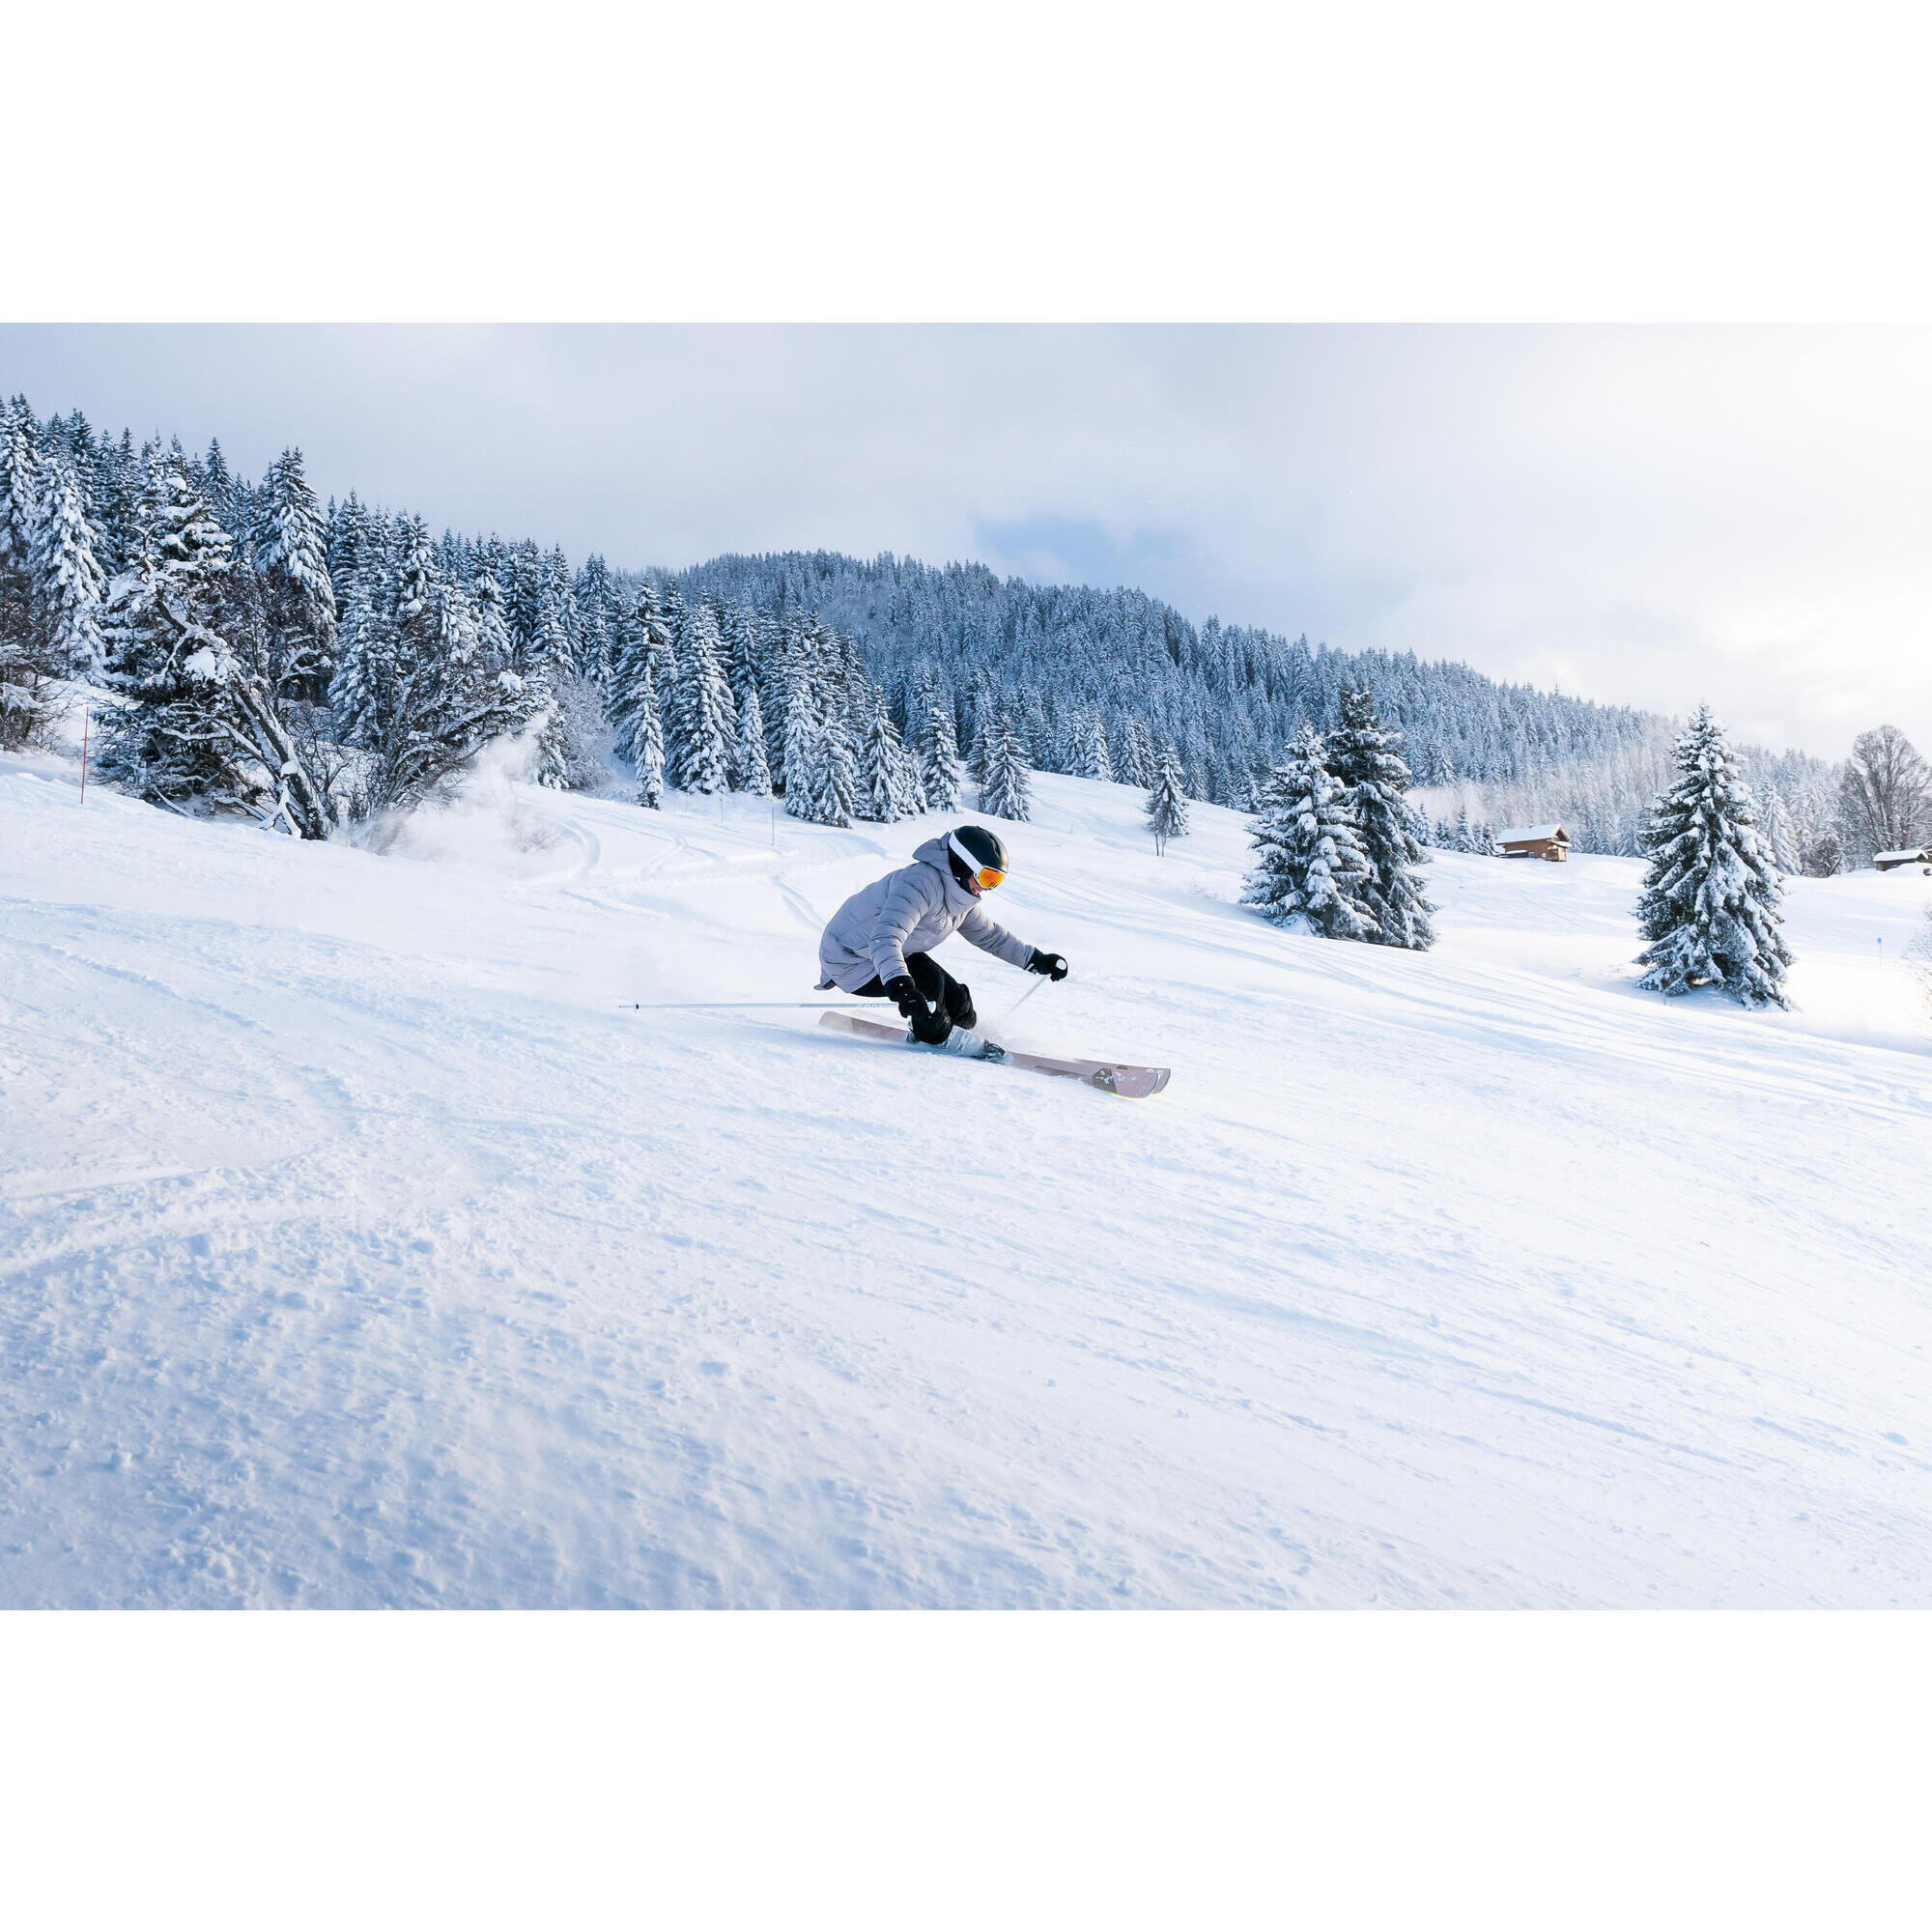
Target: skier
{"x": 878, "y": 944}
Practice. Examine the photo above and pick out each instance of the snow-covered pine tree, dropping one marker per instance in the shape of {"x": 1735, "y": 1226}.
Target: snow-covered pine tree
{"x": 1711, "y": 896}
{"x": 216, "y": 485}
{"x": 118, "y": 471}
{"x": 740, "y": 652}
{"x": 1136, "y": 764}
{"x": 907, "y": 779}
{"x": 1778, "y": 832}
{"x": 1096, "y": 762}
{"x": 1008, "y": 790}
{"x": 365, "y": 647}
{"x": 495, "y": 648}
{"x": 985, "y": 715}
{"x": 290, "y": 555}
{"x": 938, "y": 755}
{"x": 836, "y": 768}
{"x": 187, "y": 643}
{"x": 594, "y": 594}
{"x": 706, "y": 724}
{"x": 882, "y": 779}
{"x": 801, "y": 747}
{"x": 550, "y": 761}
{"x": 1167, "y": 799}
{"x": 633, "y": 668}
{"x": 163, "y": 650}
{"x": 437, "y": 699}
{"x": 752, "y": 773}
{"x": 1309, "y": 864}
{"x": 1365, "y": 759}
{"x": 69, "y": 588}
{"x": 562, "y": 635}
{"x": 22, "y": 660}
{"x": 647, "y": 744}
{"x": 553, "y": 651}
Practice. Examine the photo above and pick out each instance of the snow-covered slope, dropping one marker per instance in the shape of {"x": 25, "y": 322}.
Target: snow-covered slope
{"x": 358, "y": 1250}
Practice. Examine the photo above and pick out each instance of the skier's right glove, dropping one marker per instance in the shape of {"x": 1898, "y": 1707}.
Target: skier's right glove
{"x": 929, "y": 1027}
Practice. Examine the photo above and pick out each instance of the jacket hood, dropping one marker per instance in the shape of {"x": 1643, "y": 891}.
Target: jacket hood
{"x": 935, "y": 853}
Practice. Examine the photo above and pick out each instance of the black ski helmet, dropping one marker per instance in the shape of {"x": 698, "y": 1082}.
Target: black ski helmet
{"x": 975, "y": 853}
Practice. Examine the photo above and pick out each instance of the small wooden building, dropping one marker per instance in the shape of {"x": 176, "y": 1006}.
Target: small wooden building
{"x": 1534, "y": 842}
{"x": 1917, "y": 855}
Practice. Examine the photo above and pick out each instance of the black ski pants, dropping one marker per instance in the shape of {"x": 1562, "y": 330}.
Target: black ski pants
{"x": 942, "y": 992}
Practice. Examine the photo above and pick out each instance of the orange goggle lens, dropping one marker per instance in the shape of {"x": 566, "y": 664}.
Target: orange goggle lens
{"x": 989, "y": 876}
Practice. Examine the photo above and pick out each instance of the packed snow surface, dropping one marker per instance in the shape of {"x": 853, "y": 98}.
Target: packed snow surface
{"x": 358, "y": 1249}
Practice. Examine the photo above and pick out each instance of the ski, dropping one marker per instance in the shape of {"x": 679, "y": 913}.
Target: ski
{"x": 1131, "y": 1083}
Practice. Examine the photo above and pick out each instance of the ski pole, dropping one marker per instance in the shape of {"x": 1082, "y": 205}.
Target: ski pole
{"x": 734, "y": 1006}
{"x": 1021, "y": 1001}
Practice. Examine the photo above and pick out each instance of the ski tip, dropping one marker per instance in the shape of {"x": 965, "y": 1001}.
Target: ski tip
{"x": 1132, "y": 1083}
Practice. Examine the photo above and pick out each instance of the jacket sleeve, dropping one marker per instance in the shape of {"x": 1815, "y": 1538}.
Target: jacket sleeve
{"x": 991, "y": 937}
{"x": 904, "y": 905}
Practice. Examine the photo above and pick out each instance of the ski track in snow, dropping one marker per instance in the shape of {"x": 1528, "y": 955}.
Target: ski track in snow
{"x": 357, "y": 1250}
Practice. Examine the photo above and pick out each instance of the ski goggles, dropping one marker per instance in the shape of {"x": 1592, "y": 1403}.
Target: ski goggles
{"x": 988, "y": 877}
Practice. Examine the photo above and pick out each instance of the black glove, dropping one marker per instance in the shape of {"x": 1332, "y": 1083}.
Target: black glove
{"x": 928, "y": 1026}
{"x": 1049, "y": 964}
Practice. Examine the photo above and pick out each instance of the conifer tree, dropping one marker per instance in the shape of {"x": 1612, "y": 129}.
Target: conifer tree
{"x": 28, "y": 687}
{"x": 836, "y": 770}
{"x": 784, "y": 672}
{"x": 599, "y": 616}
{"x": 633, "y": 667}
{"x": 802, "y": 749}
{"x": 1008, "y": 790}
{"x": 164, "y": 650}
{"x": 740, "y": 651}
{"x": 752, "y": 773}
{"x": 1309, "y": 864}
{"x": 1711, "y": 894}
{"x": 1365, "y": 757}
{"x": 1779, "y": 834}
{"x": 1167, "y": 799}
{"x": 549, "y": 764}
{"x": 705, "y": 726}
{"x": 938, "y": 756}
{"x": 883, "y": 789}
{"x": 1137, "y": 761}
{"x": 69, "y": 588}
{"x": 647, "y": 744}
{"x": 1094, "y": 759}
{"x": 188, "y": 644}
{"x": 290, "y": 555}
{"x": 494, "y": 645}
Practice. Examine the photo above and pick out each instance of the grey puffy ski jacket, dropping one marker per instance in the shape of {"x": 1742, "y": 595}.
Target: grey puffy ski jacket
{"x": 908, "y": 911}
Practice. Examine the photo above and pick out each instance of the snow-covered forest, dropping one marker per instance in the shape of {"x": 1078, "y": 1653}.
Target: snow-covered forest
{"x": 318, "y": 664}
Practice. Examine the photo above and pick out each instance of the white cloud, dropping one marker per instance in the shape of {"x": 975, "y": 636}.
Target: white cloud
{"x": 1654, "y": 516}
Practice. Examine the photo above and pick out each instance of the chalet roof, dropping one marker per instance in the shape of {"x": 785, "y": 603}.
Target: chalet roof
{"x": 1518, "y": 835}
{"x": 1910, "y": 856}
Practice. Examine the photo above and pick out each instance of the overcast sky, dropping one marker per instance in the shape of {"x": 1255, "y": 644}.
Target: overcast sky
{"x": 1652, "y": 517}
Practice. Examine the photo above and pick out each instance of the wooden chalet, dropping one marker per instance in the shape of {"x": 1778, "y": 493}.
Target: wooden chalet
{"x": 1534, "y": 842}
{"x": 1915, "y": 855}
